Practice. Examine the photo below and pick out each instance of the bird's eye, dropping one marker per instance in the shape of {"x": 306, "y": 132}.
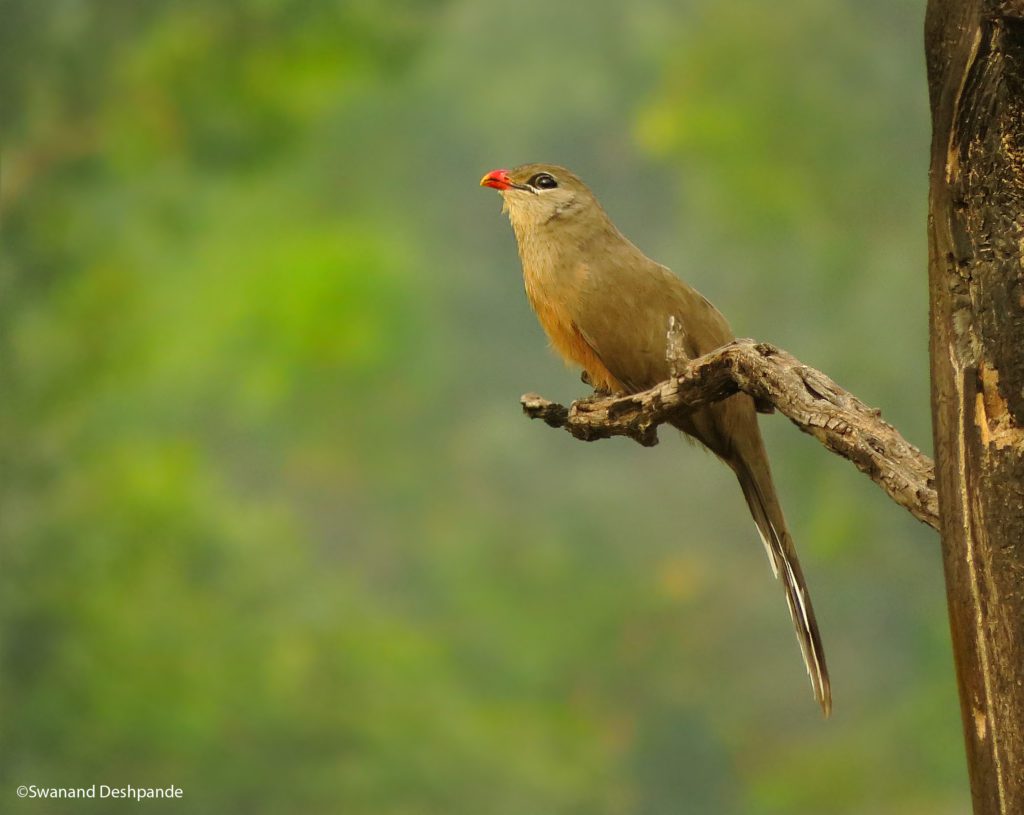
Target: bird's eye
{"x": 543, "y": 181}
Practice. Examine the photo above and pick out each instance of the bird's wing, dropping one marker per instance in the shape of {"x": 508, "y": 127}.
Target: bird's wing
{"x": 625, "y": 313}
{"x": 609, "y": 359}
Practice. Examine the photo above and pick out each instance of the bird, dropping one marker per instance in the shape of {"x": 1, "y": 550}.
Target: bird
{"x": 609, "y": 309}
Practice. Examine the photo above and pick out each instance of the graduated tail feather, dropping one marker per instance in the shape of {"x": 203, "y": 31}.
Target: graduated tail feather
{"x": 764, "y": 506}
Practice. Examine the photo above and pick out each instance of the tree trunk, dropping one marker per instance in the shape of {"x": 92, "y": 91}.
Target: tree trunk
{"x": 975, "y": 52}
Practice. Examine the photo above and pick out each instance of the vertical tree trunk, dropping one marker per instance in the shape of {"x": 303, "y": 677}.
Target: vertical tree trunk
{"x": 975, "y": 51}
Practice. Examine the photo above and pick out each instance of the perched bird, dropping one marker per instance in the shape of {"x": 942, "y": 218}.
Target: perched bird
{"x": 607, "y": 307}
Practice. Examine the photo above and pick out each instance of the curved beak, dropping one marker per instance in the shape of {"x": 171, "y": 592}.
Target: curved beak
{"x": 497, "y": 179}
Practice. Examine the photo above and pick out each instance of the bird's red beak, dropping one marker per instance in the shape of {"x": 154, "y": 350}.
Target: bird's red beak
{"x": 498, "y": 179}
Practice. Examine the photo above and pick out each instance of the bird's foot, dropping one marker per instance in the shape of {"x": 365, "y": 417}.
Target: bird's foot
{"x": 599, "y": 393}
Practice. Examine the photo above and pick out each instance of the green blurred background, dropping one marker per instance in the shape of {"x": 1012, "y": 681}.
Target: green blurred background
{"x": 273, "y": 527}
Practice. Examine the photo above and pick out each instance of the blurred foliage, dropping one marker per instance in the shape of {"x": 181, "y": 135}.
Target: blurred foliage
{"x": 273, "y": 528}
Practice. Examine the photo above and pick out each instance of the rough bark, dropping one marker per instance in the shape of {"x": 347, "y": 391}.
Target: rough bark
{"x": 975, "y": 55}
{"x": 811, "y": 400}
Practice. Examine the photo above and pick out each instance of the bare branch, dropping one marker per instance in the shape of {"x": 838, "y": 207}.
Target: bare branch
{"x": 811, "y": 400}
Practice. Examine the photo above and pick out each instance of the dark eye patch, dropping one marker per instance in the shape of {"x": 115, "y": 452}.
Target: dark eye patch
{"x": 543, "y": 181}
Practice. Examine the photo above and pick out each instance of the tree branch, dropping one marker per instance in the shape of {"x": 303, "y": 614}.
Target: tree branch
{"x": 811, "y": 400}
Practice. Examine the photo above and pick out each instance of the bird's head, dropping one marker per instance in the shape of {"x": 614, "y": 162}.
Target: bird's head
{"x": 538, "y": 195}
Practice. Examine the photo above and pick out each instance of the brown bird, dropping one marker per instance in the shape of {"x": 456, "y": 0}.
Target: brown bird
{"x": 607, "y": 307}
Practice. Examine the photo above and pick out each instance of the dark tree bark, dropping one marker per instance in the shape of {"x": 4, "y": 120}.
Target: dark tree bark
{"x": 975, "y": 55}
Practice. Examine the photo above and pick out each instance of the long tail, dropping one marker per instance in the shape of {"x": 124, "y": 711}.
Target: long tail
{"x": 756, "y": 481}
